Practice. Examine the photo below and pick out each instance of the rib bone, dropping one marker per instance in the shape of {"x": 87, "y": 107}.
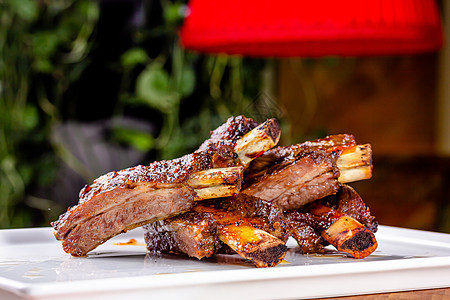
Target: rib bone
{"x": 216, "y": 183}
{"x": 257, "y": 141}
{"x": 217, "y": 191}
{"x": 355, "y": 163}
{"x": 254, "y": 244}
{"x": 345, "y": 233}
{"x": 348, "y": 235}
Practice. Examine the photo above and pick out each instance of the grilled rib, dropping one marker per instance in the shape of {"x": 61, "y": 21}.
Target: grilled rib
{"x": 342, "y": 220}
{"x": 340, "y": 151}
{"x": 293, "y": 176}
{"x": 119, "y": 201}
{"x": 243, "y": 224}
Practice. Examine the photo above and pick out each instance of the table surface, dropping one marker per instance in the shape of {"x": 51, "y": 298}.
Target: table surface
{"x": 33, "y": 265}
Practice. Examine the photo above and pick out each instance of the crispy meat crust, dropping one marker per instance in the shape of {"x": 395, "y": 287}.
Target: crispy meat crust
{"x": 145, "y": 208}
{"x": 305, "y": 225}
{"x": 296, "y": 184}
{"x": 280, "y": 157}
{"x": 293, "y": 176}
{"x": 195, "y": 233}
{"x": 229, "y": 133}
{"x": 116, "y": 188}
{"x": 119, "y": 201}
{"x": 191, "y": 233}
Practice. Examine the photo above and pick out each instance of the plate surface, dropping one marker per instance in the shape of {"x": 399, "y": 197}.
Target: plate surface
{"x": 34, "y": 266}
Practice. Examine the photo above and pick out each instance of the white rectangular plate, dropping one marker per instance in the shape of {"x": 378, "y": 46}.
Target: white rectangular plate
{"x": 34, "y": 266}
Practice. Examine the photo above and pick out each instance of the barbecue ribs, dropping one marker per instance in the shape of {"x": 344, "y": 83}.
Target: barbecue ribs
{"x": 233, "y": 195}
{"x": 119, "y": 201}
{"x": 200, "y": 235}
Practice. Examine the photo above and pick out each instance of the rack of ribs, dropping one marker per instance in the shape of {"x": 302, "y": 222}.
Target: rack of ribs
{"x": 122, "y": 200}
{"x": 285, "y": 179}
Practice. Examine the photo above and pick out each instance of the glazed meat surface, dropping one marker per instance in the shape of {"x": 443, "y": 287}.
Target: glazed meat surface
{"x": 192, "y": 233}
{"x": 229, "y": 132}
{"x": 293, "y": 176}
{"x": 115, "y": 188}
{"x": 296, "y": 191}
{"x": 196, "y": 233}
{"x": 306, "y": 225}
{"x": 122, "y": 200}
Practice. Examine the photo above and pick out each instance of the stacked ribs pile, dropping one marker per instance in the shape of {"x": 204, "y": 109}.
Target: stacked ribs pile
{"x": 235, "y": 194}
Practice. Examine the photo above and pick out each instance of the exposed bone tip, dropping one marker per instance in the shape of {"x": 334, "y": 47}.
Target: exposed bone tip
{"x": 257, "y": 141}
{"x": 216, "y": 183}
{"x": 361, "y": 244}
{"x": 270, "y": 257}
{"x": 355, "y": 163}
{"x": 350, "y": 236}
{"x": 259, "y": 246}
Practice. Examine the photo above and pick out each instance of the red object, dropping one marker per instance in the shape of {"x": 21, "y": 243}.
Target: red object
{"x": 286, "y": 28}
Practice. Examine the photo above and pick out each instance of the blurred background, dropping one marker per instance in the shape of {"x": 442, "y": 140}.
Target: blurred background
{"x": 87, "y": 87}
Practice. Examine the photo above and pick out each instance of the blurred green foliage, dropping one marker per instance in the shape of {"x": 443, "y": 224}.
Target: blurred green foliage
{"x": 45, "y": 47}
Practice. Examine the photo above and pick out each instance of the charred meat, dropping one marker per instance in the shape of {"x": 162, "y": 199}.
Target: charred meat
{"x": 251, "y": 227}
{"x": 120, "y": 201}
{"x": 293, "y": 176}
{"x": 342, "y": 220}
